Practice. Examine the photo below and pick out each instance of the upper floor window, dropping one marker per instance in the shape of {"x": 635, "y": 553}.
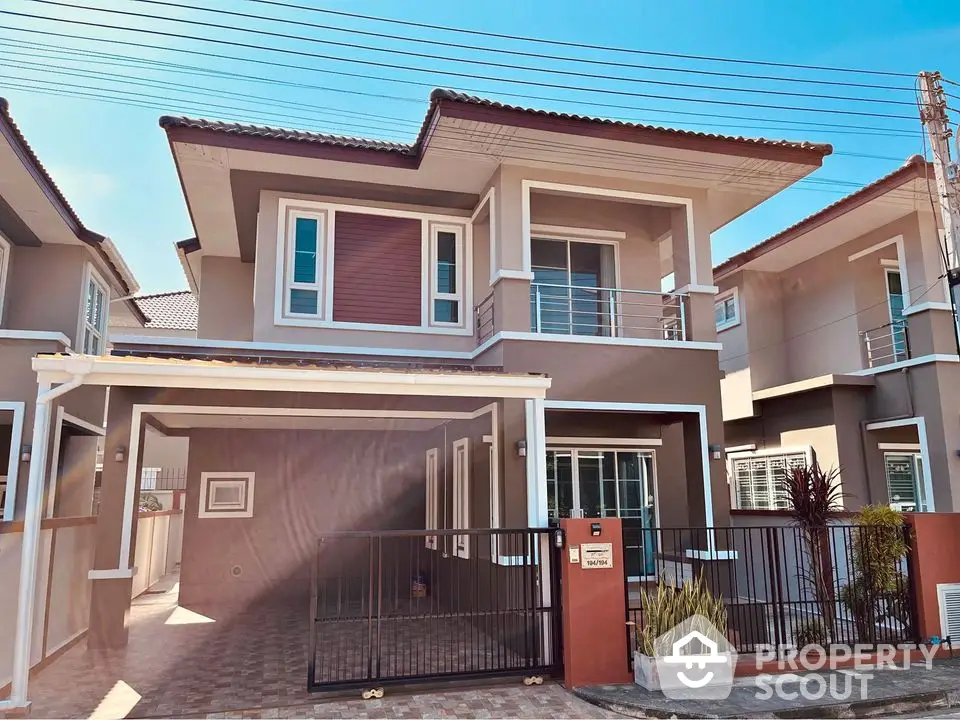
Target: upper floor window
{"x": 96, "y": 309}
{"x": 446, "y": 296}
{"x": 4, "y": 262}
{"x": 305, "y": 235}
{"x": 726, "y": 309}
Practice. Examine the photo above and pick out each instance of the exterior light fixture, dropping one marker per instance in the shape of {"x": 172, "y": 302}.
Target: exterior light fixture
{"x": 595, "y": 529}
{"x": 522, "y": 448}
{"x": 25, "y": 453}
{"x": 558, "y": 538}
{"x": 121, "y": 454}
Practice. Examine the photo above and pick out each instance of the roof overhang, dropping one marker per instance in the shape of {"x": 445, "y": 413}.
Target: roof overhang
{"x": 873, "y": 206}
{"x": 34, "y": 211}
{"x": 462, "y": 140}
{"x": 213, "y": 374}
{"x": 191, "y": 265}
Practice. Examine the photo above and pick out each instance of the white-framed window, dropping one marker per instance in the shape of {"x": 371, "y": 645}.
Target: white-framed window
{"x": 95, "y": 313}
{"x": 446, "y": 275}
{"x": 226, "y": 495}
{"x": 461, "y": 496}
{"x": 904, "y": 476}
{"x": 760, "y": 478}
{"x": 5, "y": 253}
{"x": 305, "y": 257}
{"x": 433, "y": 497}
{"x": 726, "y": 309}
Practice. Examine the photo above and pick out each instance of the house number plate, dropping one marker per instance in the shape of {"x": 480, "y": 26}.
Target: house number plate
{"x": 596, "y": 555}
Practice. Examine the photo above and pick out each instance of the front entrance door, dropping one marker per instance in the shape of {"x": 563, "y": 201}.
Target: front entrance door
{"x": 599, "y": 482}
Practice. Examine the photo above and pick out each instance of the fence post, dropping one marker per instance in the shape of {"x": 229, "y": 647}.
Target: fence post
{"x": 913, "y": 613}
{"x": 776, "y": 590}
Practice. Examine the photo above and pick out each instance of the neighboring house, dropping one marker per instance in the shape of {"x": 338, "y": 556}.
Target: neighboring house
{"x": 839, "y": 344}
{"x": 168, "y": 314}
{"x": 59, "y": 282}
{"x": 465, "y": 332}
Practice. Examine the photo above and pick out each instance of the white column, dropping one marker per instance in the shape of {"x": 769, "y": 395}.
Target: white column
{"x": 536, "y": 463}
{"x": 29, "y": 549}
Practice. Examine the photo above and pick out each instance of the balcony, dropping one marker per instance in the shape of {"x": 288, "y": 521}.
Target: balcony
{"x": 607, "y": 312}
{"x": 886, "y": 344}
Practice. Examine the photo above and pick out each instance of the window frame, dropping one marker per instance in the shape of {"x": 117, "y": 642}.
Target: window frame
{"x": 434, "y": 293}
{"x": 289, "y": 283}
{"x": 91, "y": 275}
{"x": 432, "y": 489}
{"x": 766, "y": 455}
{"x": 208, "y": 483}
{"x": 722, "y": 298}
{"x": 461, "y": 496}
{"x": 6, "y": 250}
{"x": 916, "y": 464}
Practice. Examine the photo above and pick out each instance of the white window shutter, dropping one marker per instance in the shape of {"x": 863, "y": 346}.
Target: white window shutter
{"x": 948, "y": 595}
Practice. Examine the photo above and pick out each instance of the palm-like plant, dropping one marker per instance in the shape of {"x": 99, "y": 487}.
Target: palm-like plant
{"x": 815, "y": 497}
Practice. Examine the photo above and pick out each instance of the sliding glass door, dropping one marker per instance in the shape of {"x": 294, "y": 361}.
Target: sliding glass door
{"x": 571, "y": 292}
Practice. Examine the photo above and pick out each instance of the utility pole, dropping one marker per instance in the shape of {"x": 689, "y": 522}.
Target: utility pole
{"x": 933, "y": 113}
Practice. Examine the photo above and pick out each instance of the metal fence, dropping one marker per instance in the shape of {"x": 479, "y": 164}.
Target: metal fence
{"x": 782, "y": 586}
{"x": 485, "y": 318}
{"x": 407, "y": 606}
{"x": 607, "y": 312}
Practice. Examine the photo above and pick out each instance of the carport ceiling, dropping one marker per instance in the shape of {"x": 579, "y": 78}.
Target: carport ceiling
{"x": 180, "y": 421}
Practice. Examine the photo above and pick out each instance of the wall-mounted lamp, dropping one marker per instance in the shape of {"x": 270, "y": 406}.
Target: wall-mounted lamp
{"x": 121, "y": 454}
{"x": 716, "y": 452}
{"x": 522, "y": 448}
{"x": 595, "y": 529}
{"x": 558, "y": 538}
{"x": 25, "y": 452}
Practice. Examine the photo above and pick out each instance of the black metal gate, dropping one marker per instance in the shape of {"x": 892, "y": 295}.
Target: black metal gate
{"x": 418, "y": 605}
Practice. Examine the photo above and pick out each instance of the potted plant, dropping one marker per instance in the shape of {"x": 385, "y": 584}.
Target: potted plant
{"x": 665, "y": 607}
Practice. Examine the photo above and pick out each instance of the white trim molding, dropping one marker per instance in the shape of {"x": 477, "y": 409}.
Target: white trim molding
{"x": 5, "y": 253}
{"x": 749, "y": 447}
{"x": 242, "y": 508}
{"x": 605, "y": 441}
{"x": 914, "y": 309}
{"x": 573, "y": 233}
{"x": 899, "y": 447}
{"x": 598, "y": 340}
{"x": 526, "y": 186}
{"x": 511, "y": 275}
{"x": 698, "y": 289}
{"x": 13, "y": 461}
{"x": 901, "y": 262}
{"x": 912, "y": 362}
{"x": 929, "y": 504}
{"x": 537, "y": 485}
{"x": 42, "y": 335}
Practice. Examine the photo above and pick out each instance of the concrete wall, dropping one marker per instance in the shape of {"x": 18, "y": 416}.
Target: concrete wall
{"x": 226, "y": 300}
{"x": 168, "y": 452}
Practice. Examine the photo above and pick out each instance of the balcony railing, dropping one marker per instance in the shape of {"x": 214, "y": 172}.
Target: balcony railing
{"x": 485, "y": 318}
{"x": 886, "y": 344}
{"x": 607, "y": 312}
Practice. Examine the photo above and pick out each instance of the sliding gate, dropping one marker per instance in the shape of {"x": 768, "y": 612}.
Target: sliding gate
{"x": 409, "y": 606}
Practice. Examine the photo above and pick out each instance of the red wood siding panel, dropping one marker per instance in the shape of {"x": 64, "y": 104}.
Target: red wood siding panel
{"x": 376, "y": 269}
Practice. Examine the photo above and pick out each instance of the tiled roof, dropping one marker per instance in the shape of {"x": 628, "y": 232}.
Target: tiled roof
{"x": 910, "y": 169}
{"x": 453, "y": 96}
{"x": 170, "y": 310}
{"x": 441, "y": 95}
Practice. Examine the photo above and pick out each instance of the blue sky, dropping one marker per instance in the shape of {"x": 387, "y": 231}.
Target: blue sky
{"x": 114, "y": 164}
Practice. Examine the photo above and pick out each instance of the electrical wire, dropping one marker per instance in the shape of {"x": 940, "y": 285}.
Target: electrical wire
{"x": 504, "y": 51}
{"x": 429, "y": 71}
{"x": 582, "y": 46}
{"x": 498, "y": 92}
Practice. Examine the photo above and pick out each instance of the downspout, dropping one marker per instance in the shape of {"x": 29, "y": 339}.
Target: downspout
{"x": 29, "y": 553}
{"x": 905, "y": 374}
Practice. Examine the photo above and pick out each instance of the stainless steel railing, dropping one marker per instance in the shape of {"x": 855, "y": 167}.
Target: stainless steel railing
{"x": 484, "y": 319}
{"x": 607, "y": 312}
{"x": 886, "y": 344}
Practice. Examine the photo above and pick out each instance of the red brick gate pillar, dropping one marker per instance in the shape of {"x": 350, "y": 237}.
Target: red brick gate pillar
{"x": 594, "y": 604}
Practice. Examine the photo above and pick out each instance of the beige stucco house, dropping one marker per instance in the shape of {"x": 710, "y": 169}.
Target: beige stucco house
{"x": 839, "y": 343}
{"x": 466, "y": 333}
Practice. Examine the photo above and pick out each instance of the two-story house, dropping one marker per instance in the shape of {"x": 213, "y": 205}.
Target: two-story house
{"x": 839, "y": 343}
{"x": 466, "y": 332}
{"x": 58, "y": 283}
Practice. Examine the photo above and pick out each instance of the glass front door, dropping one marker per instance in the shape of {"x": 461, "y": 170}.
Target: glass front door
{"x": 592, "y": 483}
{"x": 898, "y": 326}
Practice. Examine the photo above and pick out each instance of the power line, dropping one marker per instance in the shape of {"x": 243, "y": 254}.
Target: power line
{"x": 374, "y": 63}
{"x": 582, "y": 46}
{"x": 505, "y": 51}
{"x": 756, "y": 179}
{"x": 590, "y": 102}
{"x": 179, "y": 69}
